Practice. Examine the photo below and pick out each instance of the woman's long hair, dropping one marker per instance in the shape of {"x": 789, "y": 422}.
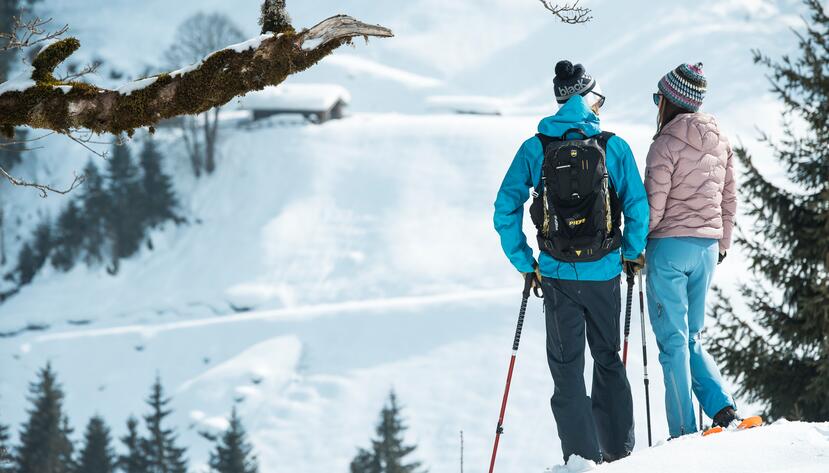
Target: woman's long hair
{"x": 667, "y": 112}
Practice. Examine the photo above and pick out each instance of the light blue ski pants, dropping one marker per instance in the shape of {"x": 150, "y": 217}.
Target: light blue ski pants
{"x": 679, "y": 272}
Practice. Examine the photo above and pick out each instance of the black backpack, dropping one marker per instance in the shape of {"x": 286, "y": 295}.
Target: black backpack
{"x": 575, "y": 207}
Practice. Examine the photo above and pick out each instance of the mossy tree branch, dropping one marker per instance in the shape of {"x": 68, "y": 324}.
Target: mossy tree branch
{"x": 217, "y": 79}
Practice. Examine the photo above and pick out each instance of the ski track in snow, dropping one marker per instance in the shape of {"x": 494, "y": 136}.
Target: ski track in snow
{"x": 293, "y": 313}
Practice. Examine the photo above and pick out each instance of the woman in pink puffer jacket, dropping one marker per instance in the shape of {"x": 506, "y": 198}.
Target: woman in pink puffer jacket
{"x": 691, "y": 192}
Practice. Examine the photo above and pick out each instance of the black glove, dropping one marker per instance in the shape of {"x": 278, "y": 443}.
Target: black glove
{"x": 535, "y": 277}
{"x": 722, "y": 257}
{"x": 633, "y": 266}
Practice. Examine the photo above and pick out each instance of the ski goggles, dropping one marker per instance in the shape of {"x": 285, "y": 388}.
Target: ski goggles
{"x": 656, "y": 97}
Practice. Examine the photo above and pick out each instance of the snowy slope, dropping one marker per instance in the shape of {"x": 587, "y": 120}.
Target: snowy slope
{"x": 325, "y": 265}
{"x": 345, "y": 243}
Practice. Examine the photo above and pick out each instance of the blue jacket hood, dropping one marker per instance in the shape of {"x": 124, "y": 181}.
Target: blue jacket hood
{"x": 573, "y": 114}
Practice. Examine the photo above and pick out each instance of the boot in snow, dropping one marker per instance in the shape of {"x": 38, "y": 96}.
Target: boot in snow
{"x": 725, "y": 417}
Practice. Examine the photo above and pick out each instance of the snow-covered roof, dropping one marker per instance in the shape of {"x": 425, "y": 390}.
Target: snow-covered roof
{"x": 288, "y": 97}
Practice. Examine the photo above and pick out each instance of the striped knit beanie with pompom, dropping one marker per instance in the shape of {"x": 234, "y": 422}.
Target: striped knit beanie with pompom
{"x": 685, "y": 86}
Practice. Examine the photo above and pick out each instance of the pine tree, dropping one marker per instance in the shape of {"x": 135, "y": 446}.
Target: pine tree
{"x": 786, "y": 363}
{"x": 233, "y": 453}
{"x": 42, "y": 245}
{"x": 124, "y": 219}
{"x": 133, "y": 461}
{"x": 388, "y": 450}
{"x": 26, "y": 265}
{"x": 6, "y": 460}
{"x": 160, "y": 450}
{"x": 96, "y": 455}
{"x": 44, "y": 441}
{"x": 96, "y": 208}
{"x": 69, "y": 237}
{"x": 365, "y": 462}
{"x": 158, "y": 199}
{"x": 65, "y": 457}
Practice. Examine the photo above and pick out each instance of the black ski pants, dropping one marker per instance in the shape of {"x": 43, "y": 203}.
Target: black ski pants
{"x": 599, "y": 427}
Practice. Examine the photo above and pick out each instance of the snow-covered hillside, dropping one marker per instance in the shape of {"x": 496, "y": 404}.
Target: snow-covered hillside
{"x": 324, "y": 265}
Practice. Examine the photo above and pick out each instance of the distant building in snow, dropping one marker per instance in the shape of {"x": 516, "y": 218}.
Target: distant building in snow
{"x": 317, "y": 103}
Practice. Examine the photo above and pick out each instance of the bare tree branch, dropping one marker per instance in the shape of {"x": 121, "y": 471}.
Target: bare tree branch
{"x": 74, "y": 76}
{"x": 45, "y": 102}
{"x": 571, "y": 14}
{"x": 42, "y": 188}
{"x": 85, "y": 140}
{"x": 11, "y": 144}
{"x": 29, "y": 33}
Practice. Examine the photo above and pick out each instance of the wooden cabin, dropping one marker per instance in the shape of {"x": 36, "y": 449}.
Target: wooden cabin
{"x": 317, "y": 103}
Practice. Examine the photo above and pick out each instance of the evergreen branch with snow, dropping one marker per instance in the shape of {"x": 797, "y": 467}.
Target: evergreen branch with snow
{"x": 38, "y": 100}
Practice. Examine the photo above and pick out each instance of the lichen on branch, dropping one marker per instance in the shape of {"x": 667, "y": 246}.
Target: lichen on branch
{"x": 217, "y": 79}
{"x": 50, "y": 57}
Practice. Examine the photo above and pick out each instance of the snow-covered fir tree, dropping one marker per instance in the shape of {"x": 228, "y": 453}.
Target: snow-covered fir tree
{"x": 786, "y": 363}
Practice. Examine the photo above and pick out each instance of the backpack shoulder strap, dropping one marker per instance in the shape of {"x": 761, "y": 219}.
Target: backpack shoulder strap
{"x": 546, "y": 140}
{"x": 604, "y": 137}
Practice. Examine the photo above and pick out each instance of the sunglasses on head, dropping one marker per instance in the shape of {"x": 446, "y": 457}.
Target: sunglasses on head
{"x": 656, "y": 97}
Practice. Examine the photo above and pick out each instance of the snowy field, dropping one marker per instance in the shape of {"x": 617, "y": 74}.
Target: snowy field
{"x": 324, "y": 265}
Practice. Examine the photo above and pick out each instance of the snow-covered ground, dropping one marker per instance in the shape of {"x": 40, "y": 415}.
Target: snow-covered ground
{"x": 325, "y": 265}
{"x": 784, "y": 447}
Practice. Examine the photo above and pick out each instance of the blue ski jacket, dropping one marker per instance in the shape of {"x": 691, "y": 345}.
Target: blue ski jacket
{"x": 525, "y": 172}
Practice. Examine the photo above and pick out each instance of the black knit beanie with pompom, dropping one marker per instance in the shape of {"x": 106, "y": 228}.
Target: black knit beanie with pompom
{"x": 571, "y": 80}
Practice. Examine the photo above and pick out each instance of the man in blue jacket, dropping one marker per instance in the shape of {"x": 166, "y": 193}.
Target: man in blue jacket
{"x": 579, "y": 295}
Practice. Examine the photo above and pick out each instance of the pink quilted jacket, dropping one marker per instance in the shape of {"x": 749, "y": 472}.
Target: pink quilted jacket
{"x": 690, "y": 181}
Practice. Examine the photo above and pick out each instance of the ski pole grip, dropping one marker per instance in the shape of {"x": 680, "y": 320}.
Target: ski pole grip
{"x": 629, "y": 304}
{"x": 520, "y": 326}
{"x": 528, "y": 284}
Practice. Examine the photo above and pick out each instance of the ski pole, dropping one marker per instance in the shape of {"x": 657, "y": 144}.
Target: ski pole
{"x": 500, "y": 428}
{"x": 699, "y": 401}
{"x": 627, "y": 320}
{"x": 645, "y": 357}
